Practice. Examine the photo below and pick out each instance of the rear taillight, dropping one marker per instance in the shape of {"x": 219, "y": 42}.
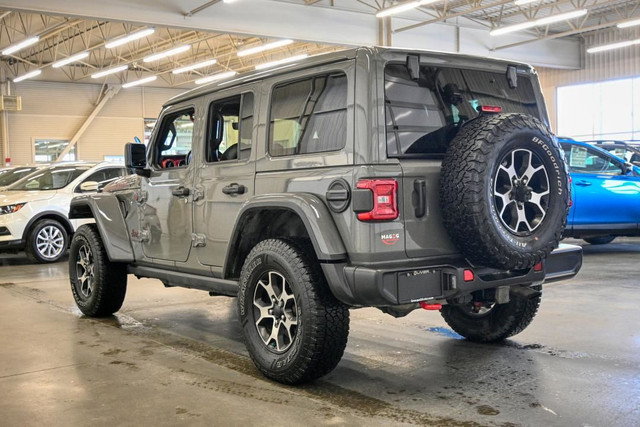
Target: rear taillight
{"x": 385, "y": 199}
{"x": 490, "y": 109}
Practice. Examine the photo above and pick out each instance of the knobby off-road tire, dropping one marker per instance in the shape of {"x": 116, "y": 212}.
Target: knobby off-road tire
{"x": 98, "y": 285}
{"x": 281, "y": 280}
{"x": 47, "y": 241}
{"x": 505, "y": 191}
{"x": 599, "y": 240}
{"x": 500, "y": 322}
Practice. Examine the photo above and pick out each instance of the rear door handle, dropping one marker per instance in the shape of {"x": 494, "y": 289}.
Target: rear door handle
{"x": 234, "y": 188}
{"x": 180, "y": 191}
{"x": 420, "y": 203}
{"x": 583, "y": 183}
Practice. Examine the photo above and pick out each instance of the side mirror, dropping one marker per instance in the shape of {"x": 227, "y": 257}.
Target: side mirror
{"x": 135, "y": 158}
{"x": 89, "y": 186}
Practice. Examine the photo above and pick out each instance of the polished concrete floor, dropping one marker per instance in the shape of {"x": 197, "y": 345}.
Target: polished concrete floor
{"x": 175, "y": 357}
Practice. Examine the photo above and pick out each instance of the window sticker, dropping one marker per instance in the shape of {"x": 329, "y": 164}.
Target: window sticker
{"x": 578, "y": 157}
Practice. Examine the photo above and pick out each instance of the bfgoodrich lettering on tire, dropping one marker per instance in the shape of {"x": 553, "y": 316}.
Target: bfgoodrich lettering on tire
{"x": 505, "y": 191}
{"x": 294, "y": 328}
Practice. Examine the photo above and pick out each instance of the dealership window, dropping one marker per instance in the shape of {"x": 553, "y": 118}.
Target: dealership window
{"x": 48, "y": 150}
{"x": 603, "y": 110}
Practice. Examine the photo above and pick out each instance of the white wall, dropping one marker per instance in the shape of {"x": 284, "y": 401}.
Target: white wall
{"x": 614, "y": 64}
{"x": 57, "y": 110}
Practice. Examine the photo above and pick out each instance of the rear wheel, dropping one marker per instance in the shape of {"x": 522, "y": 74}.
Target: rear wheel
{"x": 599, "y": 240}
{"x": 47, "y": 241}
{"x": 98, "y": 285}
{"x": 482, "y": 322}
{"x": 294, "y": 328}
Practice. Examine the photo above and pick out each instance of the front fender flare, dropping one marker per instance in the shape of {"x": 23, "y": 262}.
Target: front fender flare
{"x": 105, "y": 209}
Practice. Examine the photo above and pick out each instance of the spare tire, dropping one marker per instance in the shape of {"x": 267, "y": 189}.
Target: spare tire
{"x": 505, "y": 191}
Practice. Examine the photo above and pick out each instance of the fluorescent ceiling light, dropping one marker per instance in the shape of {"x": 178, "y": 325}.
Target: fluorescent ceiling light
{"x": 216, "y": 77}
{"x": 523, "y": 2}
{"x": 109, "y": 71}
{"x": 129, "y": 38}
{"x": 27, "y": 76}
{"x": 538, "y": 22}
{"x": 166, "y": 53}
{"x": 20, "y": 45}
{"x": 262, "y": 48}
{"x": 69, "y": 60}
{"x": 194, "y": 66}
{"x": 139, "y": 82}
{"x": 613, "y": 46}
{"x": 403, "y": 7}
{"x": 281, "y": 61}
{"x": 626, "y": 24}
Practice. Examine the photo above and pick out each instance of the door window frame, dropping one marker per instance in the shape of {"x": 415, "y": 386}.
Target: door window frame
{"x": 152, "y": 153}
{"x": 220, "y": 97}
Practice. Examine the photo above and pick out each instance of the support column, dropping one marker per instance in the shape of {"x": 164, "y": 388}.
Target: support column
{"x": 110, "y": 93}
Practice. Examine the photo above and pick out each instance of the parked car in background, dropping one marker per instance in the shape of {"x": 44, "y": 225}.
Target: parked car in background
{"x": 605, "y": 193}
{"x": 11, "y": 175}
{"x": 627, "y": 150}
{"x": 34, "y": 211}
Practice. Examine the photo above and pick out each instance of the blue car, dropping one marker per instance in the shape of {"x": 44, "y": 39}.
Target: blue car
{"x": 605, "y": 193}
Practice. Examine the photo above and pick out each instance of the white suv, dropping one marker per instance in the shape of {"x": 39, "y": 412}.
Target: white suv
{"x": 34, "y": 212}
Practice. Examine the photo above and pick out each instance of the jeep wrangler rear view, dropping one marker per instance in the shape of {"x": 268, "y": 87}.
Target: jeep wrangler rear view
{"x": 369, "y": 177}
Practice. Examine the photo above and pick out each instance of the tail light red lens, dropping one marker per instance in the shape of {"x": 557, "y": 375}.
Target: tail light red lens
{"x": 538, "y": 267}
{"x": 490, "y": 109}
{"x": 468, "y": 276}
{"x": 385, "y": 199}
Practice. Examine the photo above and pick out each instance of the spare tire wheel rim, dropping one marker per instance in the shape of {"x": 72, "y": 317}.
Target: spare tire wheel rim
{"x": 85, "y": 270}
{"x": 521, "y": 191}
{"x": 275, "y": 312}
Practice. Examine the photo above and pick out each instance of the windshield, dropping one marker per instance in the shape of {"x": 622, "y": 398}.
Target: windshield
{"x": 50, "y": 179}
{"x": 423, "y": 116}
{"x": 14, "y": 175}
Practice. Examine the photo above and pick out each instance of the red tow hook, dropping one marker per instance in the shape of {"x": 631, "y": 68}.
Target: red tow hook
{"x": 428, "y": 306}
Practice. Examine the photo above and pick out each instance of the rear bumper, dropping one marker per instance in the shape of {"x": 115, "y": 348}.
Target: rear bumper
{"x": 366, "y": 286}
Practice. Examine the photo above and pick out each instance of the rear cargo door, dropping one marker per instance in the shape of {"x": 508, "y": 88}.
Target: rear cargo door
{"x": 425, "y": 235}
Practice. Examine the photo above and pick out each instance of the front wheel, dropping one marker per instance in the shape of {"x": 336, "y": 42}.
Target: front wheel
{"x": 98, "y": 285}
{"x": 483, "y": 322}
{"x": 47, "y": 241}
{"x": 294, "y": 328}
{"x": 599, "y": 240}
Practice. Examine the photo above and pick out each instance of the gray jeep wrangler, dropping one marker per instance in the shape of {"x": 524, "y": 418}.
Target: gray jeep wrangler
{"x": 369, "y": 177}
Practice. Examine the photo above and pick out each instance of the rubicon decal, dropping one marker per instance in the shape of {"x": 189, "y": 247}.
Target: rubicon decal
{"x": 390, "y": 238}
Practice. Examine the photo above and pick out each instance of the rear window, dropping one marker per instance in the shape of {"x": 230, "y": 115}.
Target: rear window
{"x": 423, "y": 116}
{"x": 309, "y": 116}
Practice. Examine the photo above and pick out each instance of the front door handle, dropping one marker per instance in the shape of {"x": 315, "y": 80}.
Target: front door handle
{"x": 234, "y": 188}
{"x": 180, "y": 191}
{"x": 583, "y": 183}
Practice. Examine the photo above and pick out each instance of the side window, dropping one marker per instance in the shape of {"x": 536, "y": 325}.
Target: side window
{"x": 309, "y": 116}
{"x": 585, "y": 160}
{"x": 103, "y": 177}
{"x": 173, "y": 143}
{"x": 230, "y": 129}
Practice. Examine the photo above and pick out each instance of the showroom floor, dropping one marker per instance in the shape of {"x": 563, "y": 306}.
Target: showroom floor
{"x": 174, "y": 356}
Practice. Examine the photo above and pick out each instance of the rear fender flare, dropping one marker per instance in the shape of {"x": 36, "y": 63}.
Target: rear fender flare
{"x": 314, "y": 214}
